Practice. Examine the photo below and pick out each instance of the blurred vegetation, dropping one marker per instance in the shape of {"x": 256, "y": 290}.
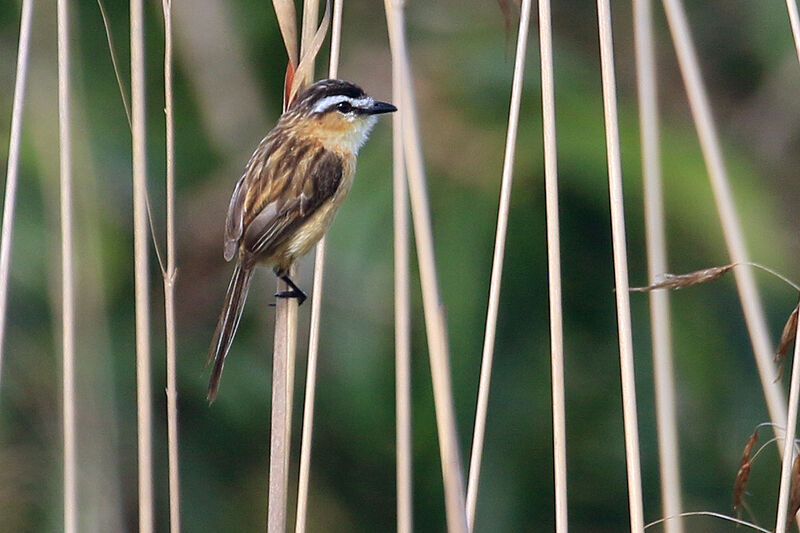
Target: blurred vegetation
{"x": 229, "y": 63}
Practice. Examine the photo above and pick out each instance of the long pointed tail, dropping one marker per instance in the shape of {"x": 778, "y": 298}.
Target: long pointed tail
{"x": 226, "y": 327}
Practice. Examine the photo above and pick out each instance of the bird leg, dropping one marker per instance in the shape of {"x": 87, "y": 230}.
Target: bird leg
{"x": 295, "y": 291}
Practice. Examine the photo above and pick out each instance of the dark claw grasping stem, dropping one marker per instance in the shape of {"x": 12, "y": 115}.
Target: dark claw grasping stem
{"x": 296, "y": 292}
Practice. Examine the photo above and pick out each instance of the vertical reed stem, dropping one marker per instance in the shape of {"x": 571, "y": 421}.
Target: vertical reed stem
{"x": 788, "y": 442}
{"x": 12, "y": 172}
{"x": 143, "y": 394}
{"x": 67, "y": 276}
{"x": 169, "y": 283}
{"x": 280, "y": 426}
{"x": 402, "y": 318}
{"x": 497, "y": 266}
{"x": 666, "y": 420}
{"x": 316, "y": 306}
{"x": 620, "y": 268}
{"x": 553, "y": 265}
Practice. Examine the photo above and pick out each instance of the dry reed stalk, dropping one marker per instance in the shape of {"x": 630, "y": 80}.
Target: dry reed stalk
{"x": 280, "y": 425}
{"x": 67, "y": 277}
{"x": 141, "y": 275}
{"x": 794, "y": 21}
{"x": 497, "y": 266}
{"x": 620, "y": 267}
{"x": 553, "y": 265}
{"x": 12, "y": 170}
{"x": 788, "y": 443}
{"x": 402, "y": 318}
{"x": 435, "y": 322}
{"x": 169, "y": 282}
{"x": 712, "y": 153}
{"x": 666, "y": 418}
{"x": 316, "y": 303}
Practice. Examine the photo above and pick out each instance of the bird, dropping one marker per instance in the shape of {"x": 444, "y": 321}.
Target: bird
{"x": 292, "y": 186}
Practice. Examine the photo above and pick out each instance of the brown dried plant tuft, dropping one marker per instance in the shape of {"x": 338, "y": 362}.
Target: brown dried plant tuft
{"x": 743, "y": 474}
{"x": 679, "y": 281}
{"x": 787, "y": 340}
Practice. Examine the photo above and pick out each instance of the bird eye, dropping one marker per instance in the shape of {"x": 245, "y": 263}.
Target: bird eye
{"x": 344, "y": 107}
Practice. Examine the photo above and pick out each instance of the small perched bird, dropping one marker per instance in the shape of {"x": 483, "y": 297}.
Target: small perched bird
{"x": 289, "y": 193}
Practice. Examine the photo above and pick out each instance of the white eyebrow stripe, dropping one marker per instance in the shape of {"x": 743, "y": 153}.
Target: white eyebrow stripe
{"x": 326, "y": 103}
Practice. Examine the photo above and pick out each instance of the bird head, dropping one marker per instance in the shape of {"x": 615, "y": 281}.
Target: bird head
{"x": 336, "y": 112}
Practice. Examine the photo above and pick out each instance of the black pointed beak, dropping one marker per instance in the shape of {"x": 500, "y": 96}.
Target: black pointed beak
{"x": 380, "y": 108}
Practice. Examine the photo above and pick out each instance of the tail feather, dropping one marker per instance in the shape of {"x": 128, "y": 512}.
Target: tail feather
{"x": 227, "y": 325}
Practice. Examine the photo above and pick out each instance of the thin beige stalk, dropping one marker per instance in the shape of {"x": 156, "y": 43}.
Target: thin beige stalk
{"x": 666, "y": 419}
{"x": 794, "y": 21}
{"x": 620, "y": 267}
{"x": 169, "y": 283}
{"x": 141, "y": 276}
{"x": 316, "y": 304}
{"x": 280, "y": 425}
{"x": 734, "y": 239}
{"x": 553, "y": 265}
{"x": 67, "y": 277}
{"x": 497, "y": 266}
{"x": 12, "y": 172}
{"x": 402, "y": 319}
{"x": 788, "y": 442}
{"x": 435, "y": 322}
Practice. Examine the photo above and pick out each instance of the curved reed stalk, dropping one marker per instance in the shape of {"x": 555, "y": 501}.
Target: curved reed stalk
{"x": 620, "y": 267}
{"x": 12, "y": 172}
{"x": 656, "y": 243}
{"x": 497, "y": 266}
{"x": 67, "y": 277}
{"x": 141, "y": 275}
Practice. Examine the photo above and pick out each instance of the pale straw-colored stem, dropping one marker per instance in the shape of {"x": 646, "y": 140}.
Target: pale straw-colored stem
{"x": 402, "y": 318}
{"x": 731, "y": 229}
{"x": 788, "y": 442}
{"x": 620, "y": 268}
{"x": 141, "y": 275}
{"x": 655, "y": 233}
{"x": 67, "y": 277}
{"x": 169, "y": 283}
{"x": 553, "y": 265}
{"x": 12, "y": 172}
{"x": 794, "y": 21}
{"x": 280, "y": 426}
{"x": 316, "y": 314}
{"x": 490, "y": 330}
{"x": 435, "y": 322}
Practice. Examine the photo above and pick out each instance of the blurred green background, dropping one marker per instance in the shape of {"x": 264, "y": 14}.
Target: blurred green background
{"x": 229, "y": 72}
